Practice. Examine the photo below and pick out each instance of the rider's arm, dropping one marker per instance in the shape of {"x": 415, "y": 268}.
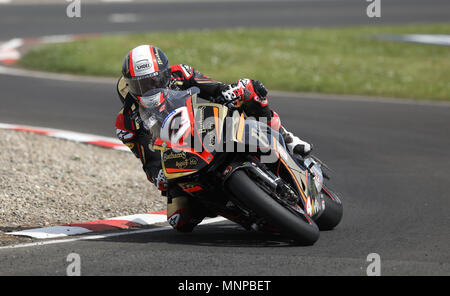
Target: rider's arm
{"x": 130, "y": 131}
{"x": 186, "y": 76}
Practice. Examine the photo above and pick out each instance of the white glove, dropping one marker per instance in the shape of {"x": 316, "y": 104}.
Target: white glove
{"x": 233, "y": 93}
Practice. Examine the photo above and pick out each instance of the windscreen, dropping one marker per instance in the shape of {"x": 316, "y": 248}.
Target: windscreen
{"x": 157, "y": 104}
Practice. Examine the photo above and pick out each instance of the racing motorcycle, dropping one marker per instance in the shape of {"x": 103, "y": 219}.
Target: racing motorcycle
{"x": 239, "y": 168}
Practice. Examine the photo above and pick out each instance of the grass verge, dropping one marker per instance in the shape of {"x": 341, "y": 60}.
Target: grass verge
{"x": 327, "y": 60}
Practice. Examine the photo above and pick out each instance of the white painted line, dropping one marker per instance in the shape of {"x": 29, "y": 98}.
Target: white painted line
{"x": 57, "y": 39}
{"x": 55, "y": 76}
{"x": 429, "y": 39}
{"x": 51, "y": 232}
{"x": 434, "y": 39}
{"x": 123, "y": 18}
{"x": 103, "y": 236}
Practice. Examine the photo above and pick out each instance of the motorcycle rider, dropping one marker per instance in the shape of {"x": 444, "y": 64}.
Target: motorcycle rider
{"x": 146, "y": 68}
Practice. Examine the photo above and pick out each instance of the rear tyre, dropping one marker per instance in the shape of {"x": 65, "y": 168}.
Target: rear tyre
{"x": 332, "y": 215}
{"x": 301, "y": 228}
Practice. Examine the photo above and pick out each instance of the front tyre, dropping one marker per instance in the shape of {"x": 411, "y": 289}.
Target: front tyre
{"x": 300, "y": 227}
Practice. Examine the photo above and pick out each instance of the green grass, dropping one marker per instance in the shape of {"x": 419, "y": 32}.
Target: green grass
{"x": 326, "y": 60}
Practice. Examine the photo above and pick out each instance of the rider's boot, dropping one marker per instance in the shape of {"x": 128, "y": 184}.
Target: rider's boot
{"x": 293, "y": 143}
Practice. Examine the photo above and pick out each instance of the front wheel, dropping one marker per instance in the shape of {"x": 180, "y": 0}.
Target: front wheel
{"x": 300, "y": 227}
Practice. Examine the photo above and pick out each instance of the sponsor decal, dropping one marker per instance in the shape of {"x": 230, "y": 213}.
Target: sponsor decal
{"x": 182, "y": 164}
{"x": 158, "y": 58}
{"x": 201, "y": 117}
{"x": 143, "y": 65}
{"x": 193, "y": 161}
{"x": 173, "y": 220}
{"x": 172, "y": 155}
{"x": 186, "y": 162}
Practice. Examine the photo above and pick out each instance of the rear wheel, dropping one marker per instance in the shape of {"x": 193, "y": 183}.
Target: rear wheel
{"x": 300, "y": 227}
{"x": 333, "y": 212}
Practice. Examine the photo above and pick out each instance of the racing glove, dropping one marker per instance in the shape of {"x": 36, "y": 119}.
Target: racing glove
{"x": 246, "y": 90}
{"x": 233, "y": 93}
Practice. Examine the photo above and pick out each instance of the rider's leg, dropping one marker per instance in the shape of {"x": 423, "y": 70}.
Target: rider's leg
{"x": 181, "y": 213}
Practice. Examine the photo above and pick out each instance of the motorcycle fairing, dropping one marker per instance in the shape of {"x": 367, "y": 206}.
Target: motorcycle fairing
{"x": 183, "y": 151}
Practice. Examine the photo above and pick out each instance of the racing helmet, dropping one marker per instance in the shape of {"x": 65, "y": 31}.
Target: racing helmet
{"x": 144, "y": 68}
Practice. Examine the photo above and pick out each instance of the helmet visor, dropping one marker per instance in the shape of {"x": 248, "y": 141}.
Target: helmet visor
{"x": 142, "y": 84}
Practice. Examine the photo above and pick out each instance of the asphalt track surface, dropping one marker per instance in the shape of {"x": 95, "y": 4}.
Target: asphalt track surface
{"x": 39, "y": 20}
{"x": 391, "y": 163}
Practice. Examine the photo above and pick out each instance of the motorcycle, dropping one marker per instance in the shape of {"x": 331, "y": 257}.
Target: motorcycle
{"x": 239, "y": 168}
